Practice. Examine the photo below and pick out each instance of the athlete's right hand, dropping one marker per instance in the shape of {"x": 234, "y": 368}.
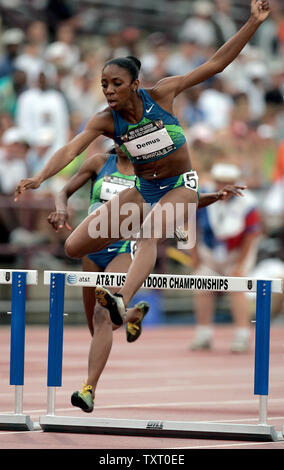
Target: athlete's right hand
{"x": 231, "y": 190}
{"x": 58, "y": 220}
{"x": 27, "y": 183}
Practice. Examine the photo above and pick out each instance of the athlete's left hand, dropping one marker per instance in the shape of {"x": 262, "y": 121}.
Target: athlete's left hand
{"x": 260, "y": 9}
{"x": 231, "y": 190}
{"x": 58, "y": 220}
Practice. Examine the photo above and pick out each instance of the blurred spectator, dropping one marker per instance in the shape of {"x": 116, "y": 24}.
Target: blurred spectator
{"x": 240, "y": 113}
{"x": 256, "y": 92}
{"x": 132, "y": 40}
{"x": 238, "y": 74}
{"x": 37, "y": 33}
{"x": 228, "y": 233}
{"x": 192, "y": 112}
{"x": 13, "y": 159}
{"x": 268, "y": 37}
{"x": 199, "y": 27}
{"x": 11, "y": 40}
{"x": 32, "y": 62}
{"x": 13, "y": 152}
{"x": 58, "y": 54}
{"x": 115, "y": 41}
{"x": 41, "y": 150}
{"x": 274, "y": 98}
{"x": 216, "y": 98}
{"x": 11, "y": 86}
{"x": 155, "y": 60}
{"x": 43, "y": 106}
{"x": 91, "y": 63}
{"x": 6, "y": 122}
{"x": 275, "y": 87}
{"x": 279, "y": 164}
{"x": 187, "y": 57}
{"x": 80, "y": 94}
{"x": 66, "y": 35}
{"x": 273, "y": 204}
{"x": 58, "y": 12}
{"x": 281, "y": 33}
{"x": 223, "y": 21}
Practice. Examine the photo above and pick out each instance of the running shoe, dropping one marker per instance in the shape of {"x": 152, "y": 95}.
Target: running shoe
{"x": 134, "y": 330}
{"x": 113, "y": 303}
{"x": 84, "y": 399}
{"x": 202, "y": 338}
{"x": 181, "y": 235}
{"x": 201, "y": 343}
{"x": 241, "y": 342}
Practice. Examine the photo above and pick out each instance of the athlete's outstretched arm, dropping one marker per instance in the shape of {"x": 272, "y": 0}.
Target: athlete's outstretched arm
{"x": 58, "y": 218}
{"x": 221, "y": 59}
{"x": 206, "y": 199}
{"x": 95, "y": 127}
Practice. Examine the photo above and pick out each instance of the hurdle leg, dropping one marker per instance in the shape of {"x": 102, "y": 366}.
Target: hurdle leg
{"x": 262, "y": 348}
{"x": 262, "y": 344}
{"x": 55, "y": 347}
{"x": 17, "y": 420}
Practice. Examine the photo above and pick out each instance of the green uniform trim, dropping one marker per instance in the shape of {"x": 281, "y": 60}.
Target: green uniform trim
{"x": 96, "y": 189}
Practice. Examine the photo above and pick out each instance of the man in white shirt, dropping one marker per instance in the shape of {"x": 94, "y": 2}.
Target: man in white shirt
{"x": 13, "y": 163}
{"x": 43, "y": 106}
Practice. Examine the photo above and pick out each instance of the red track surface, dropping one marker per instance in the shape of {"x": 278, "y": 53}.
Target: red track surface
{"x": 157, "y": 378}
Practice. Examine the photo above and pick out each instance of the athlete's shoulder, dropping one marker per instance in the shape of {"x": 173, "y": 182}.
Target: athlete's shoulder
{"x": 163, "y": 93}
{"x": 164, "y": 87}
{"x": 103, "y": 121}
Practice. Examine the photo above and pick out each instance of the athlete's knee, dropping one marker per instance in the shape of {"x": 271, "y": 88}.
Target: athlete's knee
{"x": 71, "y": 250}
{"x": 147, "y": 243}
{"x": 101, "y": 316}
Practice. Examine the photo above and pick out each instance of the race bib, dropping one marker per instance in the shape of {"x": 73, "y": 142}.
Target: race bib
{"x": 148, "y": 141}
{"x": 113, "y": 185}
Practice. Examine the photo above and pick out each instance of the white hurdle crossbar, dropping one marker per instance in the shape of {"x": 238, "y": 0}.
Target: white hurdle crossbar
{"x": 262, "y": 288}
{"x": 18, "y": 279}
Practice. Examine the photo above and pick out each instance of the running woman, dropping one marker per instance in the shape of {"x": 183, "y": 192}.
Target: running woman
{"x": 142, "y": 123}
{"x": 109, "y": 174}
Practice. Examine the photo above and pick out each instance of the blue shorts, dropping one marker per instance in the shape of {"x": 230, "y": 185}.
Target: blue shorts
{"x": 104, "y": 257}
{"x": 152, "y": 191}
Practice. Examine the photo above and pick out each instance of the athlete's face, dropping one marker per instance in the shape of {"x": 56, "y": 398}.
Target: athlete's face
{"x": 118, "y": 86}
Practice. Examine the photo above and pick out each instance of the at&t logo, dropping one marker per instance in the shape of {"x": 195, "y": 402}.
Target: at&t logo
{"x": 72, "y": 279}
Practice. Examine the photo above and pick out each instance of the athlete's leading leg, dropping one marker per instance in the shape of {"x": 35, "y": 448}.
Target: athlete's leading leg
{"x": 105, "y": 225}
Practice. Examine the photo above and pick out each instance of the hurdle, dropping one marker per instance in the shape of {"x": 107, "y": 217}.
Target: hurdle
{"x": 19, "y": 279}
{"x": 149, "y": 427}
